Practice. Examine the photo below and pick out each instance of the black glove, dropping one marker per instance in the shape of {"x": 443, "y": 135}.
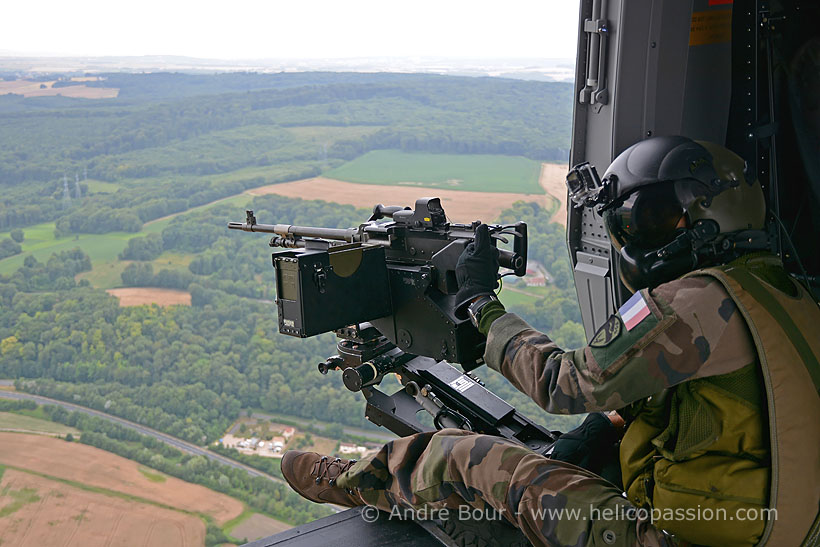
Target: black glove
{"x": 477, "y": 268}
{"x": 593, "y": 446}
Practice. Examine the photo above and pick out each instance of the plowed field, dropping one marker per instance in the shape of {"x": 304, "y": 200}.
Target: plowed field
{"x": 35, "y": 511}
{"x": 28, "y": 88}
{"x": 97, "y": 468}
{"x": 137, "y": 296}
{"x": 461, "y": 206}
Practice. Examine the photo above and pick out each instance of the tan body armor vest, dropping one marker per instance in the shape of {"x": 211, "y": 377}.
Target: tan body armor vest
{"x": 724, "y": 443}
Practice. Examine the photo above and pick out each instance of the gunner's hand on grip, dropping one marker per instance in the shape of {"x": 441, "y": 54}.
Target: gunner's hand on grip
{"x": 477, "y": 268}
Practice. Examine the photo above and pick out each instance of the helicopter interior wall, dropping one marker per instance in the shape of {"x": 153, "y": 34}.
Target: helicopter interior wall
{"x": 775, "y": 118}
{"x": 667, "y": 72}
{"x": 801, "y": 153}
{"x": 798, "y": 100}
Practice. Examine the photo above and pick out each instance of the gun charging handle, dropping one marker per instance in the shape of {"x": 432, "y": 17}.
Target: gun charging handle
{"x": 511, "y": 260}
{"x": 332, "y": 363}
{"x": 515, "y": 260}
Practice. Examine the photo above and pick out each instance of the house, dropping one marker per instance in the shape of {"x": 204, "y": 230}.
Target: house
{"x": 347, "y": 448}
{"x": 278, "y": 444}
{"x": 536, "y": 281}
{"x": 288, "y": 432}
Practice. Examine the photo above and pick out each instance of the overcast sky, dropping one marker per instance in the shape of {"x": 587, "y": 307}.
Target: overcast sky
{"x": 255, "y": 29}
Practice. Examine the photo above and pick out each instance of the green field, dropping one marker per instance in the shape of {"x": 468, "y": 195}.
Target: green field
{"x": 105, "y": 275}
{"x": 522, "y": 296}
{"x": 99, "y": 186}
{"x": 172, "y": 261}
{"x": 108, "y": 274}
{"x": 11, "y": 421}
{"x": 151, "y": 475}
{"x": 478, "y": 173}
{"x": 41, "y": 243}
{"x": 103, "y": 249}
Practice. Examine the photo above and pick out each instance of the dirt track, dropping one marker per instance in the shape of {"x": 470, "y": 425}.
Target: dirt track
{"x": 47, "y": 512}
{"x": 460, "y": 206}
{"x": 92, "y": 466}
{"x": 553, "y": 181}
{"x": 137, "y": 296}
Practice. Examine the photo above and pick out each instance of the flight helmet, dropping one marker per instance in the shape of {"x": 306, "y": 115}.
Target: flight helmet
{"x": 672, "y": 204}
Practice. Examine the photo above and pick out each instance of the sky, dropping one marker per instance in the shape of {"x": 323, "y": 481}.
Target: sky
{"x": 309, "y": 29}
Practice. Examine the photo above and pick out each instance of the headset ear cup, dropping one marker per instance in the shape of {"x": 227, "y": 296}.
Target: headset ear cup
{"x": 629, "y": 268}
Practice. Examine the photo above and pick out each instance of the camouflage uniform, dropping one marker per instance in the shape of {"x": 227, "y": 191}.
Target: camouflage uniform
{"x": 692, "y": 332}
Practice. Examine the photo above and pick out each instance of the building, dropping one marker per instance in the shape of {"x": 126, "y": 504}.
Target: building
{"x": 537, "y": 275}
{"x": 347, "y": 448}
{"x": 288, "y": 432}
{"x": 278, "y": 444}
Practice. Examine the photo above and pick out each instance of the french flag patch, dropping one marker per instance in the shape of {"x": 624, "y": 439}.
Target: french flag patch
{"x": 634, "y": 311}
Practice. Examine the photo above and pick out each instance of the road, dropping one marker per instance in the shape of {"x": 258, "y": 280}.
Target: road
{"x": 167, "y": 439}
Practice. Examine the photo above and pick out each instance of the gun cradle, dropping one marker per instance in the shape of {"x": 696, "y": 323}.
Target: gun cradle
{"x": 388, "y": 290}
{"x": 461, "y": 399}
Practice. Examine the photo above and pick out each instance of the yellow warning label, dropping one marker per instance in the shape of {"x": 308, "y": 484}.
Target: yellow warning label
{"x": 711, "y": 27}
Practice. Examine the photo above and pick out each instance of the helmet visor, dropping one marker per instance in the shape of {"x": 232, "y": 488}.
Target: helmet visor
{"x": 646, "y": 218}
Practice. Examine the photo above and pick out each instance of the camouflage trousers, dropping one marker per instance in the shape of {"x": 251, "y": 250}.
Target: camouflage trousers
{"x": 462, "y": 473}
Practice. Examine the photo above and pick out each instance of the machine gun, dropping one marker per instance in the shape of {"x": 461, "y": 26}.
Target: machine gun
{"x": 387, "y": 288}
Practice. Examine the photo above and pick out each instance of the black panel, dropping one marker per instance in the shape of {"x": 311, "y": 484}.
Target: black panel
{"x": 349, "y": 529}
{"x": 484, "y": 403}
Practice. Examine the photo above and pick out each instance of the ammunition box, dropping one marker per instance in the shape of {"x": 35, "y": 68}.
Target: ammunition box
{"x": 320, "y": 290}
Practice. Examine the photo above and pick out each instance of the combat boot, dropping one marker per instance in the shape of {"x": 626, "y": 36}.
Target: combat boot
{"x": 314, "y": 476}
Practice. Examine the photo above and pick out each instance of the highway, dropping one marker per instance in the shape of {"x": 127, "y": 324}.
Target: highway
{"x": 164, "y": 437}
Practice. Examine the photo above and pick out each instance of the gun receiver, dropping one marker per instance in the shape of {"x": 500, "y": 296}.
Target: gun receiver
{"x": 398, "y": 274}
{"x": 387, "y": 289}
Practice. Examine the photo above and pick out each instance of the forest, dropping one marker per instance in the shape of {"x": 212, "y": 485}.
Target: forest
{"x": 190, "y": 370}
{"x": 163, "y": 142}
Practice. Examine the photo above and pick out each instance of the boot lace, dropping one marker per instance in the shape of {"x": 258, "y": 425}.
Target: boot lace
{"x": 329, "y": 469}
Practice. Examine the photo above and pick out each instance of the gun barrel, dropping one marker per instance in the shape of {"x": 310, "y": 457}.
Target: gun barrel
{"x": 339, "y": 234}
{"x": 288, "y": 230}
{"x": 245, "y": 227}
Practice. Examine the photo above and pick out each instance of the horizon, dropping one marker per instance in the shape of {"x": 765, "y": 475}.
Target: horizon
{"x": 313, "y": 30}
{"x": 520, "y": 68}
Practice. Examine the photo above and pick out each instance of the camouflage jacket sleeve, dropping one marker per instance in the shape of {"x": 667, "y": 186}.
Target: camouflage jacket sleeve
{"x": 693, "y": 331}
